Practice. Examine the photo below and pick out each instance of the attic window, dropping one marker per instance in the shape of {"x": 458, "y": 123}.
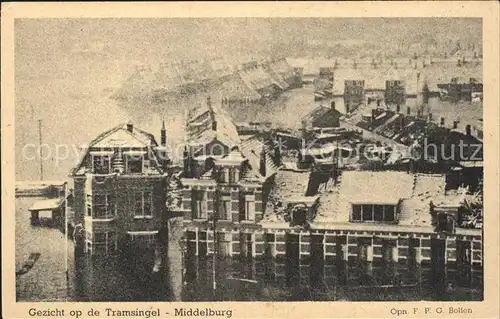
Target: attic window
{"x": 373, "y": 213}
{"x": 134, "y": 162}
{"x": 134, "y": 165}
{"x": 101, "y": 164}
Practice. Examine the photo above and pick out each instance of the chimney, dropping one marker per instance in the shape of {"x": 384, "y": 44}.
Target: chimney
{"x": 442, "y": 121}
{"x": 187, "y": 162}
{"x": 398, "y": 108}
{"x": 455, "y": 124}
{"x": 402, "y": 123}
{"x": 263, "y": 160}
{"x": 468, "y": 130}
{"x": 333, "y": 105}
{"x": 347, "y": 107}
{"x": 130, "y": 127}
{"x": 214, "y": 125}
{"x": 408, "y": 110}
{"x": 378, "y": 102}
{"x": 277, "y": 153}
{"x": 430, "y": 117}
{"x": 373, "y": 114}
{"x": 209, "y": 102}
{"x": 163, "y": 135}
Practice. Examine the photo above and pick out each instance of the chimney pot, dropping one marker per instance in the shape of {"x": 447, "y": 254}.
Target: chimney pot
{"x": 187, "y": 161}
{"x": 163, "y": 135}
{"x": 263, "y": 161}
{"x": 468, "y": 130}
{"x": 333, "y": 105}
{"x": 455, "y": 124}
{"x": 408, "y": 110}
{"x": 442, "y": 121}
{"x": 130, "y": 127}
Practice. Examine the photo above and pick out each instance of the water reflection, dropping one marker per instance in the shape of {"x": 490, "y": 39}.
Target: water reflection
{"x": 124, "y": 277}
{"x": 282, "y": 281}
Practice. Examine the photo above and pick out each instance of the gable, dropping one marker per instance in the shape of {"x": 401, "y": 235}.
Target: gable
{"x": 121, "y": 138}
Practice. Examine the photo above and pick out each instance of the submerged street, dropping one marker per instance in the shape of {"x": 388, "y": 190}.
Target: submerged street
{"x": 129, "y": 278}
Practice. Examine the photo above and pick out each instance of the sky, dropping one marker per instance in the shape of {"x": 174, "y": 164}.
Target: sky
{"x": 45, "y": 40}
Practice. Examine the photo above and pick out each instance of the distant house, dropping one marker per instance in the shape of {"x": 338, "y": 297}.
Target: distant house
{"x": 323, "y": 116}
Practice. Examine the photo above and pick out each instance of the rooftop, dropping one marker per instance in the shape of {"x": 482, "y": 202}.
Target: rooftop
{"x": 123, "y": 136}
{"x": 200, "y": 126}
{"x": 289, "y": 185}
{"x": 251, "y": 148}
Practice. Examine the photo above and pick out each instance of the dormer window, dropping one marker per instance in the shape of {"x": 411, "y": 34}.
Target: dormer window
{"x": 134, "y": 162}
{"x": 373, "y": 213}
{"x": 299, "y": 215}
{"x": 101, "y": 162}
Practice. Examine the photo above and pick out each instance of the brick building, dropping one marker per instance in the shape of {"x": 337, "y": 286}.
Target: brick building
{"x": 120, "y": 191}
{"x": 225, "y": 182}
{"x": 305, "y": 216}
{"x": 369, "y": 217}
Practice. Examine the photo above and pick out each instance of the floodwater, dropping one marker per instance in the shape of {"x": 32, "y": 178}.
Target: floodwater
{"x": 129, "y": 277}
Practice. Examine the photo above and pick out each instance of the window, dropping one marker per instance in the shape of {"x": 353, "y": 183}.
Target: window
{"x": 378, "y": 213}
{"x": 143, "y": 204}
{"x": 101, "y": 206}
{"x": 134, "y": 164}
{"x": 146, "y": 238}
{"x": 225, "y": 175}
{"x": 101, "y": 164}
{"x": 356, "y": 212}
{"x": 233, "y": 175}
{"x": 89, "y": 205}
{"x": 202, "y": 243}
{"x": 373, "y": 213}
{"x": 225, "y": 207}
{"x": 299, "y": 215}
{"x": 246, "y": 245}
{"x": 224, "y": 244}
{"x": 367, "y": 212}
{"x": 389, "y": 213}
{"x": 199, "y": 204}
{"x": 249, "y": 207}
{"x": 101, "y": 242}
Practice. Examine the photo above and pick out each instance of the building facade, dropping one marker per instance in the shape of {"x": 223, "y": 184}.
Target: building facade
{"x": 225, "y": 183}
{"x": 235, "y": 203}
{"x": 120, "y": 191}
